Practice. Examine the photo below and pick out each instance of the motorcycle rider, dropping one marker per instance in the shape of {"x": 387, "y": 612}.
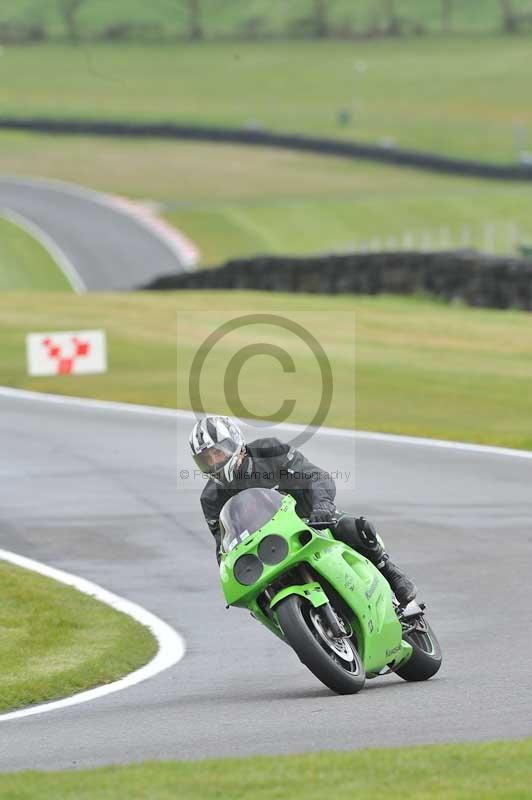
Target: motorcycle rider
{"x": 220, "y": 451}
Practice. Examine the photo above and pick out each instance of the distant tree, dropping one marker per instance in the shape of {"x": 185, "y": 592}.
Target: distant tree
{"x": 195, "y": 20}
{"x": 508, "y": 18}
{"x": 446, "y": 14}
{"x": 321, "y": 23}
{"x": 69, "y": 10}
{"x": 392, "y": 21}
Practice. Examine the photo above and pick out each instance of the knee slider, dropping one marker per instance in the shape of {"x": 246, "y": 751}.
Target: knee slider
{"x": 366, "y": 531}
{"x": 346, "y": 531}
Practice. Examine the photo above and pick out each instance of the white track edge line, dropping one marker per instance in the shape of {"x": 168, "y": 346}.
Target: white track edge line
{"x": 113, "y": 203}
{"x": 50, "y": 245}
{"x": 132, "y": 408}
{"x": 171, "y": 646}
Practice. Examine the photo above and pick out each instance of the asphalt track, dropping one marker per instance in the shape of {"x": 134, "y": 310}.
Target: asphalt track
{"x": 94, "y": 492}
{"x": 109, "y": 248}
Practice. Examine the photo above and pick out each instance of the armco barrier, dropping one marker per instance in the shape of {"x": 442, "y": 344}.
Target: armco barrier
{"x": 310, "y": 144}
{"x": 469, "y": 277}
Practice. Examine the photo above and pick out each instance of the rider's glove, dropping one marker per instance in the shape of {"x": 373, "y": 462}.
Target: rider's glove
{"x": 322, "y": 513}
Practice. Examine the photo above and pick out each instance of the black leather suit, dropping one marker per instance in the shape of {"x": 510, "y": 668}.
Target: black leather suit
{"x": 270, "y": 464}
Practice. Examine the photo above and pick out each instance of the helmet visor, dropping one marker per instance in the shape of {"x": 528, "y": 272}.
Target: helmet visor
{"x": 212, "y": 460}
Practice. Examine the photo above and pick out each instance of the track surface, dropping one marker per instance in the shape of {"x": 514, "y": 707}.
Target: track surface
{"x": 94, "y": 492}
{"x": 108, "y": 248}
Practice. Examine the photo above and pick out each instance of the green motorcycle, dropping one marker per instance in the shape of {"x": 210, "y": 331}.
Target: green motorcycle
{"x": 328, "y": 602}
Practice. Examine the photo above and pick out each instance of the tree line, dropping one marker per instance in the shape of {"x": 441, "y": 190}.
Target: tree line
{"x": 319, "y": 21}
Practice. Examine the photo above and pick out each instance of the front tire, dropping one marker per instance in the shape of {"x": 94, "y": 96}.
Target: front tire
{"x": 426, "y": 657}
{"x": 335, "y": 662}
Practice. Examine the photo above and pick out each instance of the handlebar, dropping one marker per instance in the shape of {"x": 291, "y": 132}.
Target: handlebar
{"x": 320, "y": 525}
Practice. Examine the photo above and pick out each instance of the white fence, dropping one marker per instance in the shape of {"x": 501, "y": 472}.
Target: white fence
{"x": 501, "y": 237}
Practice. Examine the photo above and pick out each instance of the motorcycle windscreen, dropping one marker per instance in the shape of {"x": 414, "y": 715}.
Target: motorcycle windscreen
{"x": 245, "y": 513}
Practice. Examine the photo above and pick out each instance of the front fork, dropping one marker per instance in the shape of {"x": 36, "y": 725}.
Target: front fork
{"x": 313, "y": 592}
{"x": 335, "y": 625}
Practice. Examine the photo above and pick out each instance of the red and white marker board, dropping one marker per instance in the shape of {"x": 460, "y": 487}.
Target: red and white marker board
{"x": 66, "y": 353}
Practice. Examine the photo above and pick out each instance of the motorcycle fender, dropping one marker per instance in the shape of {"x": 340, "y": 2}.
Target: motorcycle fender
{"x": 310, "y": 591}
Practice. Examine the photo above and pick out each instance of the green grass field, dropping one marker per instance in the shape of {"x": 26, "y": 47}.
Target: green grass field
{"x": 495, "y": 771}
{"x": 236, "y": 201}
{"x": 56, "y": 641}
{"x": 421, "y": 368}
{"x": 24, "y": 262}
{"x": 463, "y": 95}
{"x": 224, "y": 18}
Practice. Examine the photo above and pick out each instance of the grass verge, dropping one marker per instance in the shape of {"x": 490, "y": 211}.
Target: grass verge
{"x": 56, "y": 641}
{"x": 25, "y": 263}
{"x": 421, "y": 368}
{"x": 494, "y": 771}
{"x": 236, "y": 201}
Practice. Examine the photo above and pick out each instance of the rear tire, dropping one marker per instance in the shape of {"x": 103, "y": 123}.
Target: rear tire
{"x": 426, "y": 657}
{"x": 343, "y": 673}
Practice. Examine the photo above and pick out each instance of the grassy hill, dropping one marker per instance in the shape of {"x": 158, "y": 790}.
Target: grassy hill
{"x": 256, "y": 17}
{"x": 235, "y": 201}
{"x": 464, "y": 96}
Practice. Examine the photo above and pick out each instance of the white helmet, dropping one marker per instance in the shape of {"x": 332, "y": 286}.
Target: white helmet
{"x": 216, "y": 443}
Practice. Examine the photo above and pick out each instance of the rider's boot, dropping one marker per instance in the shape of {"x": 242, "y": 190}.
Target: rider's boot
{"x": 402, "y": 586}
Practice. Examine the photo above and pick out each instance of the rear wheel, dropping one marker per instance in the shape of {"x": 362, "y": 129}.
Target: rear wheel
{"x": 426, "y": 658}
{"x": 334, "y": 661}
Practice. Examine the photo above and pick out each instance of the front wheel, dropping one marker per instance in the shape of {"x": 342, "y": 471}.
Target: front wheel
{"x": 425, "y": 660}
{"x": 334, "y": 661}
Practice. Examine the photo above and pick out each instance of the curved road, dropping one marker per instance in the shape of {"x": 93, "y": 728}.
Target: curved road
{"x": 109, "y": 247}
{"x": 106, "y": 504}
